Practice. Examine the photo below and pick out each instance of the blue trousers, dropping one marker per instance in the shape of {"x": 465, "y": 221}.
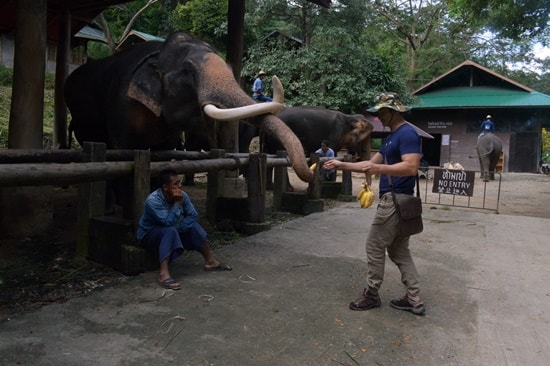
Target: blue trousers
{"x": 262, "y": 98}
{"x": 169, "y": 242}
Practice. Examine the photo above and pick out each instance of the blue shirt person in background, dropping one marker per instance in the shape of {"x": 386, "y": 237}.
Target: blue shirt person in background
{"x": 399, "y": 157}
{"x": 169, "y": 224}
{"x": 325, "y": 151}
{"x": 487, "y": 126}
{"x": 258, "y": 89}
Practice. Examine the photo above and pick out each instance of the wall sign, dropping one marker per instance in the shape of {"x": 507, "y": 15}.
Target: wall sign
{"x": 455, "y": 182}
{"x": 439, "y": 124}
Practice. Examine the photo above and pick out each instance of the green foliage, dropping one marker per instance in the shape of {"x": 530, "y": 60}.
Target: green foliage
{"x": 509, "y": 18}
{"x": 97, "y": 50}
{"x": 546, "y": 144}
{"x": 334, "y": 73}
{"x": 6, "y": 77}
{"x": 206, "y": 19}
{"x": 5, "y": 101}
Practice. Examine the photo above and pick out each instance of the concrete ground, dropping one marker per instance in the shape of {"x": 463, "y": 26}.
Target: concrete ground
{"x": 484, "y": 282}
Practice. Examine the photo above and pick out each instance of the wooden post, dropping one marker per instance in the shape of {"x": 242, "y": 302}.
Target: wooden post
{"x": 347, "y": 184}
{"x": 235, "y": 35}
{"x": 213, "y": 187}
{"x": 27, "y": 103}
{"x": 142, "y": 183}
{"x": 61, "y": 72}
{"x": 256, "y": 187}
{"x": 91, "y": 199}
{"x": 280, "y": 181}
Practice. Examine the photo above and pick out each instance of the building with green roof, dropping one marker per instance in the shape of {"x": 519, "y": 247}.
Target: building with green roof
{"x": 452, "y": 107}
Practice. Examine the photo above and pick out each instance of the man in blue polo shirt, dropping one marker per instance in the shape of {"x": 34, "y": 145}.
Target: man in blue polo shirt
{"x": 399, "y": 157}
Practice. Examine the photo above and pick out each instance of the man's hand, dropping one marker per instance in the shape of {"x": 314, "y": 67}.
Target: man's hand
{"x": 176, "y": 195}
{"x": 331, "y": 164}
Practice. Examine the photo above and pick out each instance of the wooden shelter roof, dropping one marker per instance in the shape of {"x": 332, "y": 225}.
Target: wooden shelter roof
{"x": 82, "y": 13}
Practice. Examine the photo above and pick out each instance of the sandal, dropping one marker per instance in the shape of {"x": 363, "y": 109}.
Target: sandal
{"x": 170, "y": 284}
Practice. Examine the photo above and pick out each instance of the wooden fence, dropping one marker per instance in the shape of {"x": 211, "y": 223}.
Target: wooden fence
{"x": 94, "y": 165}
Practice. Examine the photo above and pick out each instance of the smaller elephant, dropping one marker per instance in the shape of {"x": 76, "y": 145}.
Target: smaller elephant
{"x": 312, "y": 125}
{"x": 488, "y": 148}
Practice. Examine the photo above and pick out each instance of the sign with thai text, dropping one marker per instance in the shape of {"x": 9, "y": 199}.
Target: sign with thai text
{"x": 439, "y": 124}
{"x": 455, "y": 182}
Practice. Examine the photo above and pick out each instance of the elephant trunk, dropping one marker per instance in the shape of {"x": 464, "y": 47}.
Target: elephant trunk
{"x": 238, "y": 105}
{"x": 274, "y": 127}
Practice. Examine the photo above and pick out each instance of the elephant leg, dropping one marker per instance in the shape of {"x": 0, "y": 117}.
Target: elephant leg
{"x": 493, "y": 165}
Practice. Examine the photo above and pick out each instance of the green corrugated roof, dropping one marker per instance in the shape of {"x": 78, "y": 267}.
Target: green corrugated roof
{"x": 481, "y": 96}
{"x": 146, "y": 36}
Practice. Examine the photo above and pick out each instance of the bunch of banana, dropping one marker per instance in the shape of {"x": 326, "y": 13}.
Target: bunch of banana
{"x": 365, "y": 196}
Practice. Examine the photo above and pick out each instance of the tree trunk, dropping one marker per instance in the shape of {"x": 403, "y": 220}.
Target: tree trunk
{"x": 27, "y": 104}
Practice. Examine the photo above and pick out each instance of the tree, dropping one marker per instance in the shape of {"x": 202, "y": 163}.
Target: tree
{"x": 296, "y": 17}
{"x": 429, "y": 38}
{"x": 515, "y": 19}
{"x": 333, "y": 72}
{"x": 206, "y": 19}
{"x": 114, "y": 36}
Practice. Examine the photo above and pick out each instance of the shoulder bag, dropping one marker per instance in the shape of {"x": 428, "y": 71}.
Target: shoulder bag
{"x": 409, "y": 209}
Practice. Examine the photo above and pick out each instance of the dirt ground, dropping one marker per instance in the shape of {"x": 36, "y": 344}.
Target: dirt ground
{"x": 37, "y": 272}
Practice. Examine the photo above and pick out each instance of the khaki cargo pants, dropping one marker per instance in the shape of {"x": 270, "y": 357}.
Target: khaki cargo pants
{"x": 383, "y": 237}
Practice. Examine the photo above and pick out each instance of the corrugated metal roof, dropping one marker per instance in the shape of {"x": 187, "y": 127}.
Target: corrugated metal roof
{"x": 91, "y": 33}
{"x": 481, "y": 96}
{"x": 470, "y": 74}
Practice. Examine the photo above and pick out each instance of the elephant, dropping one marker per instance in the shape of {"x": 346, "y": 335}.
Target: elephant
{"x": 488, "y": 148}
{"x": 313, "y": 125}
{"x": 146, "y": 96}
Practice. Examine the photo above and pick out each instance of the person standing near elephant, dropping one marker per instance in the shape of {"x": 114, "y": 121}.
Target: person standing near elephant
{"x": 258, "y": 89}
{"x": 399, "y": 157}
{"x": 487, "y": 126}
{"x": 169, "y": 224}
{"x": 329, "y": 175}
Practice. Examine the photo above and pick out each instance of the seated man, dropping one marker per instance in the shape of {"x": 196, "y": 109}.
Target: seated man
{"x": 258, "y": 90}
{"x": 169, "y": 224}
{"x": 328, "y": 175}
{"x": 487, "y": 126}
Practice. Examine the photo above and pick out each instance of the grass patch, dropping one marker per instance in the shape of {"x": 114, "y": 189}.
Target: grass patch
{"x": 6, "y": 81}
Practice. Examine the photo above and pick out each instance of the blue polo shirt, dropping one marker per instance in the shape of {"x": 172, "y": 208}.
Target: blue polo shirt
{"x": 402, "y": 141}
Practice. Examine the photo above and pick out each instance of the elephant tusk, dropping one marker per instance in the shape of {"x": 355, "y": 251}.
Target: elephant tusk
{"x": 235, "y": 114}
{"x": 278, "y": 91}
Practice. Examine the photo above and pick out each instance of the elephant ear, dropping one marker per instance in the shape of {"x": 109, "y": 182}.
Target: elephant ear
{"x": 145, "y": 85}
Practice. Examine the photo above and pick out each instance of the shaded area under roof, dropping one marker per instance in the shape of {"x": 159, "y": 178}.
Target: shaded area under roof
{"x": 82, "y": 13}
{"x": 481, "y": 96}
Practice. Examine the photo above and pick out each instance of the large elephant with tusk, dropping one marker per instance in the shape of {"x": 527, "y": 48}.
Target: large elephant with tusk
{"x": 146, "y": 96}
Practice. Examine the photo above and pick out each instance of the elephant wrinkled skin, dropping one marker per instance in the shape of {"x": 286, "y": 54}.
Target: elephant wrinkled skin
{"x": 146, "y": 96}
{"x": 488, "y": 148}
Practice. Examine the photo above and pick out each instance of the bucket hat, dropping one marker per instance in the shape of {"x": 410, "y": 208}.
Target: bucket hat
{"x": 389, "y": 100}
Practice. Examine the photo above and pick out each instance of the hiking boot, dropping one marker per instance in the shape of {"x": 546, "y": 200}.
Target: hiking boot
{"x": 368, "y": 300}
{"x": 405, "y": 303}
